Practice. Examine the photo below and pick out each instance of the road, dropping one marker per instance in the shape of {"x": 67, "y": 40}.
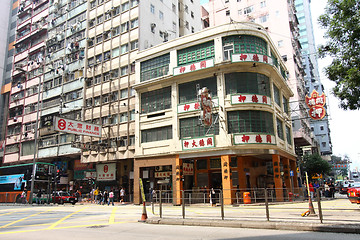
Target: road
{"x": 121, "y": 222}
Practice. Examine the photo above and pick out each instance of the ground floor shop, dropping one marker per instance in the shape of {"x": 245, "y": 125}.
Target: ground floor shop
{"x": 229, "y": 172}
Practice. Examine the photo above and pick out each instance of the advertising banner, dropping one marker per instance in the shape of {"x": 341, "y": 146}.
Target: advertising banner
{"x": 16, "y": 179}
{"x": 76, "y": 127}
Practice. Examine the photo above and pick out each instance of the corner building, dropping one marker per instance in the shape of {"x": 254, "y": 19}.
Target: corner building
{"x": 250, "y": 142}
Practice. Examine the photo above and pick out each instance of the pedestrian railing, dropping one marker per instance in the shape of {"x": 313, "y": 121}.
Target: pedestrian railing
{"x": 255, "y": 204}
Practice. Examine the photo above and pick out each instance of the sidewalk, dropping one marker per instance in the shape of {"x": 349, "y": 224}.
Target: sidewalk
{"x": 339, "y": 216}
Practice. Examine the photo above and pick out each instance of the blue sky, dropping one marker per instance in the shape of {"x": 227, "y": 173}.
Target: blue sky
{"x": 203, "y": 1}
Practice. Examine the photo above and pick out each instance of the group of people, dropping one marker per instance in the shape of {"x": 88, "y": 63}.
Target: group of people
{"x": 105, "y": 197}
{"x": 326, "y": 190}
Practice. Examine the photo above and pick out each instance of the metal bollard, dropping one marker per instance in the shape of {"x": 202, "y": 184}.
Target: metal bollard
{"x": 267, "y": 205}
{"x": 319, "y": 205}
{"x": 222, "y": 204}
{"x": 183, "y": 204}
{"x": 160, "y": 204}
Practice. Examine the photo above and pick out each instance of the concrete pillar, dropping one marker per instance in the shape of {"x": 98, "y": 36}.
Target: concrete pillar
{"x": 178, "y": 180}
{"x": 241, "y": 172}
{"x": 294, "y": 178}
{"x": 286, "y": 166}
{"x": 226, "y": 179}
{"x": 277, "y": 178}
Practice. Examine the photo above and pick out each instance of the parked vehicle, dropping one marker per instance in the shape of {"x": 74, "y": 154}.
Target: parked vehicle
{"x": 354, "y": 192}
{"x": 64, "y": 197}
{"x": 344, "y": 186}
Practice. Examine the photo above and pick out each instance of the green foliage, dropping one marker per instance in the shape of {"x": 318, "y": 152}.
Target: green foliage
{"x": 314, "y": 164}
{"x": 342, "y": 23}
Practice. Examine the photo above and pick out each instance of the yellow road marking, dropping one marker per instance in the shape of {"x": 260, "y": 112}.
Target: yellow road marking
{"x": 22, "y": 219}
{"x": 64, "y": 218}
{"x": 77, "y": 226}
{"x": 112, "y": 216}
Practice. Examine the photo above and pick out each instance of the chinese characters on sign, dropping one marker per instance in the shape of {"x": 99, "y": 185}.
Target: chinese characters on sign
{"x": 316, "y": 104}
{"x": 250, "y": 98}
{"x": 76, "y": 127}
{"x": 198, "y": 143}
{"x": 162, "y": 174}
{"x": 188, "y": 168}
{"x": 194, "y": 66}
{"x": 251, "y": 57}
{"x": 195, "y": 106}
{"x": 106, "y": 172}
{"x": 339, "y": 166}
{"x": 254, "y": 139}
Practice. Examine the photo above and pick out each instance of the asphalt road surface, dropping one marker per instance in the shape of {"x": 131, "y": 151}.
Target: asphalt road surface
{"x": 121, "y": 222}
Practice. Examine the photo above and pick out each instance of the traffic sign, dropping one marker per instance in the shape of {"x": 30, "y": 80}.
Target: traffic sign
{"x": 291, "y": 173}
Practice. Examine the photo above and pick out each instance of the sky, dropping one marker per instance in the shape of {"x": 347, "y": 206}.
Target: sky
{"x": 343, "y": 124}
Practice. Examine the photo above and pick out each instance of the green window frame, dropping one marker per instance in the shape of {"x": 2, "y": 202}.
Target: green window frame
{"x": 187, "y": 91}
{"x": 250, "y": 121}
{"x": 156, "y": 134}
{"x": 246, "y": 44}
{"x": 247, "y": 82}
{"x": 191, "y": 127}
{"x": 283, "y": 73}
{"x": 279, "y": 128}
{"x": 277, "y": 95}
{"x": 288, "y": 135}
{"x": 286, "y": 105}
{"x": 155, "y": 67}
{"x": 156, "y": 100}
{"x": 275, "y": 60}
{"x": 196, "y": 53}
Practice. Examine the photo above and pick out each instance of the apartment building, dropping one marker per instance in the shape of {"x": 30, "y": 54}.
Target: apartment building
{"x": 117, "y": 30}
{"x": 213, "y": 116}
{"x": 279, "y": 19}
{"x": 74, "y": 59}
{"x": 8, "y": 15}
{"x": 320, "y": 128}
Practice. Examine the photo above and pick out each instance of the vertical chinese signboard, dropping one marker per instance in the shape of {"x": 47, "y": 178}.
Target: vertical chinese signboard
{"x": 316, "y": 104}
{"x": 206, "y": 107}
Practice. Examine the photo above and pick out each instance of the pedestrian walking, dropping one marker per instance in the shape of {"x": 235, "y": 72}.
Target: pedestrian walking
{"x": 311, "y": 189}
{"x": 38, "y": 197}
{"x": 327, "y": 190}
{"x": 100, "y": 197}
{"x": 122, "y": 195}
{"x": 105, "y": 197}
{"x": 23, "y": 197}
{"x": 96, "y": 195}
{"x": 111, "y": 197}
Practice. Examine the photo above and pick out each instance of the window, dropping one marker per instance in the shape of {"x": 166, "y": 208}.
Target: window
{"x": 124, "y": 70}
{"x": 155, "y": 67}
{"x": 323, "y": 144}
{"x": 247, "y": 82}
{"x": 100, "y": 19}
{"x": 124, "y": 48}
{"x": 240, "y": 12}
{"x": 107, "y": 55}
{"x": 107, "y": 15}
{"x": 27, "y": 148}
{"x": 196, "y": 53}
{"x": 280, "y": 43}
{"x": 186, "y": 8}
{"x": 161, "y": 15}
{"x": 321, "y": 128}
{"x": 288, "y": 135}
{"x": 276, "y": 95}
{"x": 264, "y": 18}
{"x": 99, "y": 38}
{"x": 132, "y": 115}
{"x": 244, "y": 44}
{"x": 133, "y": 3}
{"x": 134, "y": 23}
{"x": 124, "y": 93}
{"x": 286, "y": 105}
{"x": 190, "y": 127}
{"x": 125, "y": 6}
{"x": 134, "y": 45}
{"x": 114, "y": 96}
{"x": 187, "y": 91}
{"x": 152, "y": 9}
{"x": 279, "y": 127}
{"x": 125, "y": 27}
{"x": 115, "y": 52}
{"x": 248, "y": 10}
{"x": 116, "y": 11}
{"x": 124, "y": 117}
{"x": 116, "y": 31}
{"x": 263, "y": 4}
{"x": 227, "y": 13}
{"x": 250, "y": 121}
{"x": 156, "y": 100}
{"x": 192, "y": 14}
{"x": 174, "y": 8}
{"x": 156, "y": 134}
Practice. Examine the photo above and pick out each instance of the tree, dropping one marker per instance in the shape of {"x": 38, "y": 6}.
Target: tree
{"x": 314, "y": 164}
{"x": 342, "y": 23}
